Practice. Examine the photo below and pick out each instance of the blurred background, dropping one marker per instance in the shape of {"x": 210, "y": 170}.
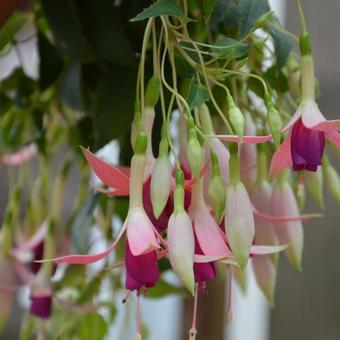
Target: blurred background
{"x": 307, "y": 303}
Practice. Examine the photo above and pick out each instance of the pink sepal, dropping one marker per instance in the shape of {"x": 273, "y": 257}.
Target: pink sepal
{"x": 245, "y": 139}
{"x": 282, "y": 158}
{"x": 113, "y": 176}
{"x": 272, "y": 218}
{"x": 266, "y": 250}
{"x": 86, "y": 259}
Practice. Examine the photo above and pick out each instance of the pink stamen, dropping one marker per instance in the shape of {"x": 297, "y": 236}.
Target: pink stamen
{"x": 128, "y": 293}
{"x": 193, "y": 330}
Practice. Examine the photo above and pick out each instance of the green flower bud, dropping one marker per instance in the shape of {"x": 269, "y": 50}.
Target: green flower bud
{"x": 305, "y": 44}
{"x": 314, "y": 184}
{"x": 332, "y": 181}
{"x": 141, "y": 143}
{"x": 274, "y": 121}
{"x": 137, "y": 124}
{"x": 152, "y": 91}
{"x": 216, "y": 194}
{"x": 194, "y": 155}
{"x": 236, "y": 117}
{"x": 160, "y": 184}
{"x": 205, "y": 118}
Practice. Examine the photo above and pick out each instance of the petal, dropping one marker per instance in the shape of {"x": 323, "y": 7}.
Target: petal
{"x": 245, "y": 139}
{"x": 110, "y": 175}
{"x": 203, "y": 271}
{"x": 282, "y": 158}
{"x": 333, "y": 137}
{"x": 34, "y": 241}
{"x": 21, "y": 156}
{"x": 293, "y": 120}
{"x": 141, "y": 270}
{"x": 181, "y": 247}
{"x": 265, "y": 250}
{"x": 86, "y": 259}
{"x": 41, "y": 306}
{"x": 207, "y": 232}
{"x": 239, "y": 222}
{"x": 313, "y": 119}
{"x": 303, "y": 217}
{"x": 140, "y": 232}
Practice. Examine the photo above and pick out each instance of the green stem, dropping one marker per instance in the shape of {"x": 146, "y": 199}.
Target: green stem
{"x": 301, "y": 15}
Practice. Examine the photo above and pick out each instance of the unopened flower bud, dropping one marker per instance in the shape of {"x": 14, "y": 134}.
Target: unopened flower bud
{"x": 216, "y": 189}
{"x": 194, "y": 152}
{"x": 205, "y": 119}
{"x": 160, "y": 184}
{"x": 152, "y": 91}
{"x": 332, "y": 180}
{"x": 274, "y": 121}
{"x": 314, "y": 184}
{"x": 137, "y": 124}
{"x": 181, "y": 241}
{"x": 236, "y": 117}
{"x": 141, "y": 143}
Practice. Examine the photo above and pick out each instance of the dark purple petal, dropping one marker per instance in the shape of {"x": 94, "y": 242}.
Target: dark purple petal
{"x": 162, "y": 222}
{"x": 141, "y": 270}
{"x": 307, "y": 147}
{"x": 203, "y": 271}
{"x": 38, "y": 252}
{"x": 41, "y": 306}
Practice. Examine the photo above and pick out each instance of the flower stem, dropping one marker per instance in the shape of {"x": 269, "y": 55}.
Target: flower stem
{"x": 301, "y": 15}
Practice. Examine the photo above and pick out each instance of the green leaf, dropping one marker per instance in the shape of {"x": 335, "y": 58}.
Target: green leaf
{"x": 224, "y": 18}
{"x": 276, "y": 79}
{"x": 161, "y": 7}
{"x": 103, "y": 27}
{"x": 11, "y": 28}
{"x": 233, "y": 49}
{"x": 51, "y": 62}
{"x": 250, "y": 12}
{"x": 113, "y": 105}
{"x": 70, "y": 88}
{"x": 197, "y": 93}
{"x": 92, "y": 326}
{"x": 283, "y": 45}
{"x": 66, "y": 28}
{"x": 163, "y": 289}
{"x": 92, "y": 289}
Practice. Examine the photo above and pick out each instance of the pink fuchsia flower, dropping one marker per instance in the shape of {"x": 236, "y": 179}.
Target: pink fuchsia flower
{"x": 141, "y": 234}
{"x": 209, "y": 236}
{"x": 288, "y": 232}
{"x": 41, "y": 297}
{"x": 21, "y": 156}
{"x": 308, "y": 129}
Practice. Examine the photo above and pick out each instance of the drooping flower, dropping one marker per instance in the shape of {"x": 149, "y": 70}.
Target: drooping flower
{"x": 308, "y": 129}
{"x": 141, "y": 234}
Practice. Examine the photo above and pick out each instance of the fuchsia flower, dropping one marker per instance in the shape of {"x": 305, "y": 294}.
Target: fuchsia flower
{"x": 142, "y": 236}
{"x": 308, "y": 129}
{"x": 21, "y": 156}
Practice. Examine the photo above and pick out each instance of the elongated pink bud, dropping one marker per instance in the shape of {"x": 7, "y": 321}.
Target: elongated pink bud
{"x": 181, "y": 241}
{"x": 239, "y": 222}
{"x": 290, "y": 232}
{"x": 160, "y": 184}
{"x": 248, "y": 155}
